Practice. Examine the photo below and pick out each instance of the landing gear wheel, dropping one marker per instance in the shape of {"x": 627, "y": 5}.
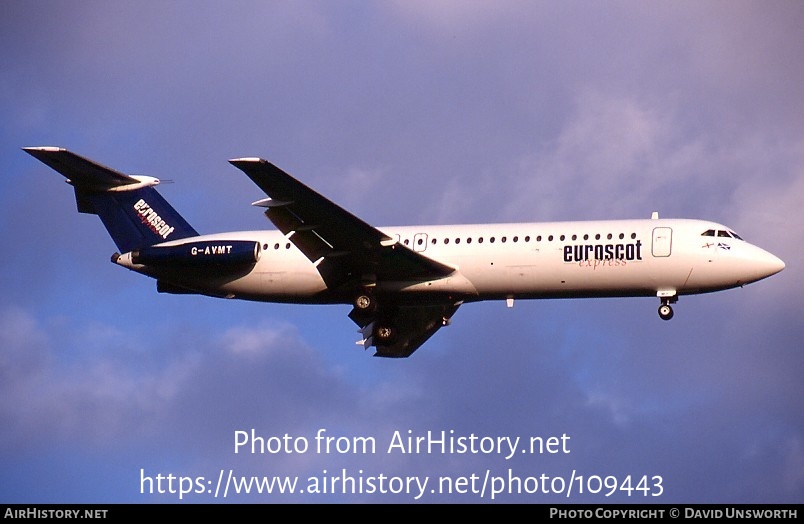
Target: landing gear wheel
{"x": 385, "y": 333}
{"x": 364, "y": 303}
{"x": 665, "y": 311}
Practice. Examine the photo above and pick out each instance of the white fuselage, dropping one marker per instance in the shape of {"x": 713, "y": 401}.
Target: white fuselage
{"x": 650, "y": 257}
{"x": 404, "y": 283}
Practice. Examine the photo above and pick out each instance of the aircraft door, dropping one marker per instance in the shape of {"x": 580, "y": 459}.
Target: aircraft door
{"x": 419, "y": 242}
{"x": 662, "y": 242}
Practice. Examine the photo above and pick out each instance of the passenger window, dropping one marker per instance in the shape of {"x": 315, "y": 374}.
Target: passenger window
{"x": 480, "y": 240}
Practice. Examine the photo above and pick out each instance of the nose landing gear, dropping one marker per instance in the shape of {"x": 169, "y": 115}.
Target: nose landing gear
{"x": 665, "y": 312}
{"x": 667, "y": 298}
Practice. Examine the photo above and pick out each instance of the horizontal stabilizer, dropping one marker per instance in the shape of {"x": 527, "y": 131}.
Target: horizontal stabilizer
{"x": 79, "y": 171}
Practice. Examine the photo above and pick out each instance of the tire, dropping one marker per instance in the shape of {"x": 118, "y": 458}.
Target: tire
{"x": 666, "y": 312}
{"x": 385, "y": 334}
{"x": 364, "y": 303}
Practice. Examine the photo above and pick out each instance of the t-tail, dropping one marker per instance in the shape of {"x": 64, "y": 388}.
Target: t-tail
{"x": 134, "y": 213}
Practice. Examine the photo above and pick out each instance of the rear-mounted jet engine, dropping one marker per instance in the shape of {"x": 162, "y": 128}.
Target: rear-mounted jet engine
{"x": 226, "y": 253}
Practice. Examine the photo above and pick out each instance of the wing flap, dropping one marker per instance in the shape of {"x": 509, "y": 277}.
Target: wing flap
{"x": 302, "y": 236}
{"x": 311, "y": 245}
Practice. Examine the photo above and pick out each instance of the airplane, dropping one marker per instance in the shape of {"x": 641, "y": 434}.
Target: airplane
{"x": 404, "y": 283}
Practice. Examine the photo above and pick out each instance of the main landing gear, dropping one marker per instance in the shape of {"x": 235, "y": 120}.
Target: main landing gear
{"x": 366, "y": 307}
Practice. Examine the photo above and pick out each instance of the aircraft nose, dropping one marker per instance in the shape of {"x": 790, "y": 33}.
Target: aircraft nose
{"x": 769, "y": 264}
{"x": 754, "y": 263}
{"x": 775, "y": 264}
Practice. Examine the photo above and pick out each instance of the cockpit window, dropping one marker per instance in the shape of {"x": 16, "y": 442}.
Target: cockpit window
{"x": 722, "y": 233}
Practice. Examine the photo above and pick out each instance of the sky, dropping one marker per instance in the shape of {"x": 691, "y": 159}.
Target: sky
{"x": 403, "y": 112}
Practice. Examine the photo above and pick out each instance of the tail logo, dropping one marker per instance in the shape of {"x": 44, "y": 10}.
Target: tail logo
{"x": 152, "y": 220}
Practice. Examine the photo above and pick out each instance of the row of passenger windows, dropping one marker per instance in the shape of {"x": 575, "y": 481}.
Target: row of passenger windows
{"x": 276, "y": 246}
{"x": 504, "y": 239}
{"x": 492, "y": 240}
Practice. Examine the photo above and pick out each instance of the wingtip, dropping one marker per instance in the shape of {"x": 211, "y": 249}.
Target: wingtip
{"x": 44, "y": 149}
{"x": 247, "y": 159}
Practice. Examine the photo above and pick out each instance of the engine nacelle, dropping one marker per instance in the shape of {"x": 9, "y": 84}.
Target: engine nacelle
{"x": 207, "y": 253}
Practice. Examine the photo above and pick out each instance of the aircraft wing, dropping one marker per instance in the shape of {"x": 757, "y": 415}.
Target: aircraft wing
{"x": 351, "y": 255}
{"x": 412, "y": 325}
{"x": 347, "y": 251}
